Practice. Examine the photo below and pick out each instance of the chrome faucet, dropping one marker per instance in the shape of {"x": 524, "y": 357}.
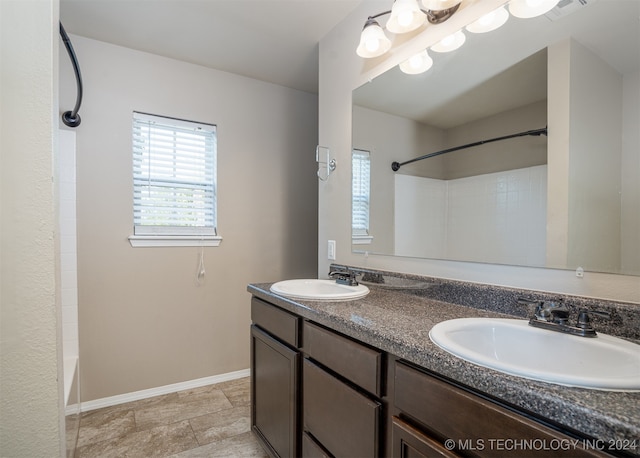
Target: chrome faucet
{"x": 344, "y": 276}
{"x": 554, "y": 316}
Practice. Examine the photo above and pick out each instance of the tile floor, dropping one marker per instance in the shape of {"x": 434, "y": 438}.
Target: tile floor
{"x": 212, "y": 421}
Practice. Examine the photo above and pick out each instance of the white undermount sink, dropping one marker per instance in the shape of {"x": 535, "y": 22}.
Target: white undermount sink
{"x": 318, "y": 290}
{"x": 513, "y": 347}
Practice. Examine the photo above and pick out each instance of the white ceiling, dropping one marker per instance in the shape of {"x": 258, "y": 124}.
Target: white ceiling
{"x": 277, "y": 41}
{"x": 270, "y": 40}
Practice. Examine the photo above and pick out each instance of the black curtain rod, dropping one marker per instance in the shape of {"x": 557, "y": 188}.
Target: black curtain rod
{"x": 72, "y": 118}
{"x": 395, "y": 166}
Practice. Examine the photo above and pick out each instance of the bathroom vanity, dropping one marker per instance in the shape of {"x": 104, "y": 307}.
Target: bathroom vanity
{"x": 362, "y": 378}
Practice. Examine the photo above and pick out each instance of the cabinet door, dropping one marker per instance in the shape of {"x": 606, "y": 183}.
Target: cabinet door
{"x": 409, "y": 442}
{"x": 340, "y": 418}
{"x": 311, "y": 449}
{"x": 274, "y": 394}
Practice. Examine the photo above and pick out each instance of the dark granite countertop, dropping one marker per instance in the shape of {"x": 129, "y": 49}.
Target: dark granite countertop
{"x": 398, "y": 321}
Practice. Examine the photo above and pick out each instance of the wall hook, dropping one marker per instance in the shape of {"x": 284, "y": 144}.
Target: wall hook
{"x": 329, "y": 164}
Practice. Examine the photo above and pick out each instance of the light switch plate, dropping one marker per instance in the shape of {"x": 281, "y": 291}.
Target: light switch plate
{"x": 331, "y": 250}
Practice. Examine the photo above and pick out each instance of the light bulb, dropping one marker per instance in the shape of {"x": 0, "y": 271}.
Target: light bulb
{"x": 490, "y": 21}
{"x": 405, "y": 16}
{"x": 531, "y": 8}
{"x": 373, "y": 41}
{"x": 418, "y": 63}
{"x": 487, "y": 18}
{"x": 450, "y": 42}
{"x": 372, "y": 45}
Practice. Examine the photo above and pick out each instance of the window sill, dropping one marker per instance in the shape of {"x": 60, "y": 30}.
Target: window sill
{"x": 141, "y": 241}
{"x": 361, "y": 239}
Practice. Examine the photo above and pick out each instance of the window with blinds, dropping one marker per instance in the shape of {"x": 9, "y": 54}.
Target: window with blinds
{"x": 174, "y": 177}
{"x": 360, "y": 192}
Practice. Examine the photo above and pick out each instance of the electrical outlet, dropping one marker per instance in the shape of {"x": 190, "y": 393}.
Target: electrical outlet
{"x": 331, "y": 250}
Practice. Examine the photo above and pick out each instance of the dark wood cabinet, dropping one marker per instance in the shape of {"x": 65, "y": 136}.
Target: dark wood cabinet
{"x": 274, "y": 390}
{"x": 275, "y": 379}
{"x": 317, "y": 393}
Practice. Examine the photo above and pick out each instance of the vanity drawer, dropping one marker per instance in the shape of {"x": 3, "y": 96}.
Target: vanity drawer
{"x": 276, "y": 321}
{"x": 449, "y": 412}
{"x": 340, "y": 418}
{"x": 356, "y": 362}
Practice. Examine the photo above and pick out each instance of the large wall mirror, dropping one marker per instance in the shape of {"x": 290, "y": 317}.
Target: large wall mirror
{"x": 567, "y": 200}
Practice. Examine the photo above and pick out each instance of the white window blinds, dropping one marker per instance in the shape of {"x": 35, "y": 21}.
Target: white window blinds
{"x": 174, "y": 176}
{"x": 360, "y": 191}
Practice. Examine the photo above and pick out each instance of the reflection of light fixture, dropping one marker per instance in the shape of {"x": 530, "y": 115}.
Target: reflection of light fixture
{"x": 406, "y": 16}
{"x": 418, "y": 63}
{"x": 531, "y": 8}
{"x": 490, "y": 21}
{"x": 373, "y": 41}
{"x": 450, "y": 42}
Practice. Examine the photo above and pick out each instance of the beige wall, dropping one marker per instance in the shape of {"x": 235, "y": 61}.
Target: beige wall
{"x": 30, "y": 382}
{"x": 341, "y": 71}
{"x": 143, "y": 321}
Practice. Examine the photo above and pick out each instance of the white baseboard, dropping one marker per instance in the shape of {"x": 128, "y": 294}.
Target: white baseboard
{"x": 166, "y": 389}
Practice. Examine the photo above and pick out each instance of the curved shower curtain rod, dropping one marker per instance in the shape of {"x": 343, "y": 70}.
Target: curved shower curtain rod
{"x": 395, "y": 166}
{"x": 72, "y": 118}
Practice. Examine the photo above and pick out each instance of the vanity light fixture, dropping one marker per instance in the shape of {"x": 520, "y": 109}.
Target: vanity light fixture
{"x": 490, "y": 21}
{"x": 418, "y": 63}
{"x": 406, "y": 16}
{"x": 531, "y": 8}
